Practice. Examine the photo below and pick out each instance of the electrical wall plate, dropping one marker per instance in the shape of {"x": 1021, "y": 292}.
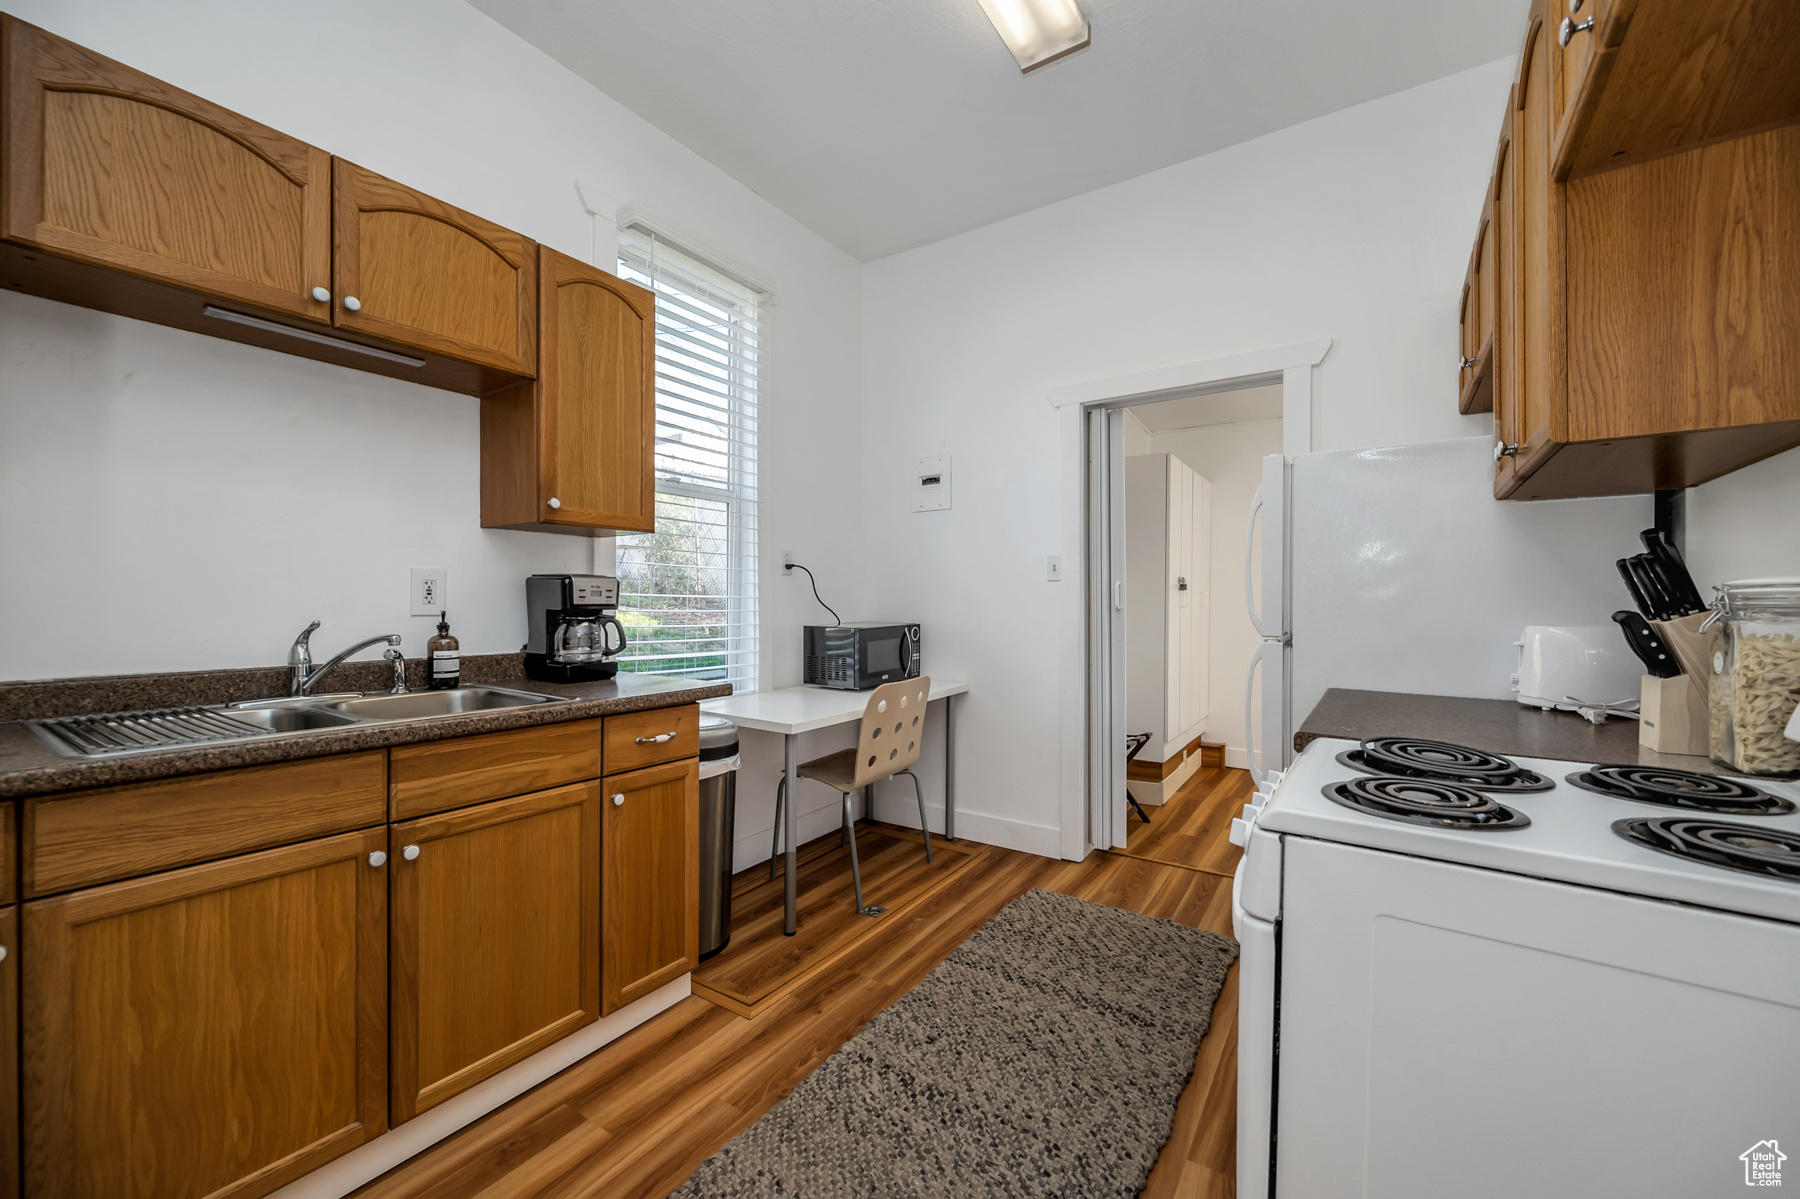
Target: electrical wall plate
{"x": 1053, "y": 568}
{"x": 932, "y": 493}
{"x": 429, "y": 584}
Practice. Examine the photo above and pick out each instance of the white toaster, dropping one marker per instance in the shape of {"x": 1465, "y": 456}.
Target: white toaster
{"x": 1576, "y": 666}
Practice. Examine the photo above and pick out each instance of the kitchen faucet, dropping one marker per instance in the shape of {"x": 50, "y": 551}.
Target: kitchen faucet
{"x": 302, "y": 676}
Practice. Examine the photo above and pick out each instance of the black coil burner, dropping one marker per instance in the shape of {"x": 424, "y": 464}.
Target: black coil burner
{"x": 1747, "y": 847}
{"x": 1440, "y": 761}
{"x": 1681, "y": 789}
{"x": 1425, "y": 801}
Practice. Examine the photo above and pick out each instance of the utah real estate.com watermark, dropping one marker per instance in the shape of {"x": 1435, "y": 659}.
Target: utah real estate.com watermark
{"x": 1762, "y": 1164}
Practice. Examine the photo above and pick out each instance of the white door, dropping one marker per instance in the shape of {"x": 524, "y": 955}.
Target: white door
{"x": 1196, "y": 631}
{"x": 1267, "y": 718}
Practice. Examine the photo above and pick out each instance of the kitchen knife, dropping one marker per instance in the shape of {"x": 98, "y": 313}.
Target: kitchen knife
{"x": 1637, "y": 596}
{"x": 1668, "y": 560}
{"x": 1660, "y": 607}
{"x": 1646, "y": 644}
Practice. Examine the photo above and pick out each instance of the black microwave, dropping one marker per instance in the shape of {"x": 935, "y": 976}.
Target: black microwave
{"x": 857, "y": 657}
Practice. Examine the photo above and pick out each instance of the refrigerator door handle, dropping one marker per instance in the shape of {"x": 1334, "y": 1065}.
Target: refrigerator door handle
{"x": 1256, "y": 503}
{"x": 1256, "y": 773}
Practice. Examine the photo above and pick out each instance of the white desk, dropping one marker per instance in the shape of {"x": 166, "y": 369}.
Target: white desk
{"x": 795, "y": 710}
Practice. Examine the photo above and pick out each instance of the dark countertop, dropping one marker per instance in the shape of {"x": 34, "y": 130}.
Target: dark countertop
{"x": 29, "y": 767}
{"x": 1500, "y": 726}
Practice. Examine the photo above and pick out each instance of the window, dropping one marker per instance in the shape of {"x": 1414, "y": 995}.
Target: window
{"x": 687, "y": 592}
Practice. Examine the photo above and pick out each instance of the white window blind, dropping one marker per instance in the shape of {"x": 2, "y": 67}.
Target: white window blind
{"x": 687, "y": 592}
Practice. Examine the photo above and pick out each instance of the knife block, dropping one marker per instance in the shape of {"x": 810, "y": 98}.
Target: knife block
{"x": 1691, "y": 647}
{"x": 1672, "y": 715}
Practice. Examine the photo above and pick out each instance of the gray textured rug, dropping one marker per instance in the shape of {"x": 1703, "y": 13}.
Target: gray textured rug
{"x": 1044, "y": 1057}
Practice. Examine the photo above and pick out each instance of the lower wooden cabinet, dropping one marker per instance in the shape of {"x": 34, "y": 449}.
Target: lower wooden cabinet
{"x": 650, "y": 875}
{"x": 215, "y": 1031}
{"x": 9, "y": 1052}
{"x": 495, "y": 938}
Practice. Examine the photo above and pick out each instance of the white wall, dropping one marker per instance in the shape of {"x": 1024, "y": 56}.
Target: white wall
{"x": 172, "y": 502}
{"x": 1355, "y": 226}
{"x": 1746, "y": 525}
{"x": 1230, "y": 458}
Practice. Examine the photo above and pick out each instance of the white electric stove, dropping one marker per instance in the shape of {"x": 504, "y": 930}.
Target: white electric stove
{"x": 1467, "y": 975}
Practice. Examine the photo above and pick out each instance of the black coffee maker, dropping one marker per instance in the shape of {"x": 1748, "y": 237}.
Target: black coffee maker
{"x": 574, "y": 636}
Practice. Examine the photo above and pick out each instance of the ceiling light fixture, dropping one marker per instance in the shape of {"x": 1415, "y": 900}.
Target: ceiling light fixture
{"x": 1038, "y": 31}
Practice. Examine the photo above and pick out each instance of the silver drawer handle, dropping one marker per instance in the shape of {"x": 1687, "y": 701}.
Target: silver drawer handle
{"x": 1566, "y": 33}
{"x": 656, "y": 740}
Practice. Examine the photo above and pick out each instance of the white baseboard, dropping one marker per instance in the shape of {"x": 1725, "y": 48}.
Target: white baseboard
{"x": 1237, "y": 758}
{"x": 338, "y": 1178}
{"x": 900, "y": 808}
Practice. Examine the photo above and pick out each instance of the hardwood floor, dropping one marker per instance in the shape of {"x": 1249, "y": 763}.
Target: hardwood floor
{"x": 637, "y": 1117}
{"x": 1190, "y": 830}
{"x": 761, "y": 961}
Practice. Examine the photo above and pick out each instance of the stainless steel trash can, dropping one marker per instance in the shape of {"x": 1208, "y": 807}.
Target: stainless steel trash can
{"x": 718, "y": 818}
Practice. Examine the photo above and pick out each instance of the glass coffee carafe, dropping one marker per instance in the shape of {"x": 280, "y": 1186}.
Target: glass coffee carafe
{"x": 586, "y": 639}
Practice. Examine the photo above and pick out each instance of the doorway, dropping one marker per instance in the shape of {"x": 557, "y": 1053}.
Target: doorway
{"x": 1171, "y": 485}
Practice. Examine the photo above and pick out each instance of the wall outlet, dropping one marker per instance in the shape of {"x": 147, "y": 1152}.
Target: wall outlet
{"x": 429, "y": 584}
{"x": 1053, "y": 568}
{"x": 787, "y": 562}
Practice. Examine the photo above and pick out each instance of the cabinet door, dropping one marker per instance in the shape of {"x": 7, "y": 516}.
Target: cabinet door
{"x": 1571, "y": 64}
{"x": 9, "y": 1051}
{"x": 495, "y": 939}
{"x": 597, "y": 397}
{"x": 650, "y": 880}
{"x": 214, "y": 1031}
{"x": 418, "y": 272}
{"x": 109, "y": 166}
{"x": 1539, "y": 354}
{"x": 1506, "y": 307}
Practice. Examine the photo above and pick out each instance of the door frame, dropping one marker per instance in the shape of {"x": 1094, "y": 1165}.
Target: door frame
{"x": 1093, "y": 692}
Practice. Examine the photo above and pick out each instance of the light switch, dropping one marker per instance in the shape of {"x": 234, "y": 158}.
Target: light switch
{"x": 1053, "y": 568}
{"x": 932, "y": 493}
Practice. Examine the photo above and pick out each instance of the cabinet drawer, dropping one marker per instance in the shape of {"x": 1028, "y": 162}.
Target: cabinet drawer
{"x": 646, "y": 738}
{"x": 452, "y": 774}
{"x": 121, "y": 832}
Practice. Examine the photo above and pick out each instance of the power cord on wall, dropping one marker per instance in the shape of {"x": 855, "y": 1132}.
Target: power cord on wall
{"x": 815, "y": 588}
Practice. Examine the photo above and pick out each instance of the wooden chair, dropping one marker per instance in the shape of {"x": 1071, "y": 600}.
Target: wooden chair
{"x": 893, "y": 725}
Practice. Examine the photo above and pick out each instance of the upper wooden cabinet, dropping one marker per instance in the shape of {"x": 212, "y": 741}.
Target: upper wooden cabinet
{"x": 650, "y": 880}
{"x": 216, "y": 1031}
{"x": 108, "y": 166}
{"x": 1638, "y": 79}
{"x": 574, "y": 452}
{"x": 122, "y": 193}
{"x": 495, "y": 939}
{"x": 1647, "y": 321}
{"x": 418, "y": 272}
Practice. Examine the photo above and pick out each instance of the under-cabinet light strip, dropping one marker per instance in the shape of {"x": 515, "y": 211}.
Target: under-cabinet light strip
{"x": 256, "y": 322}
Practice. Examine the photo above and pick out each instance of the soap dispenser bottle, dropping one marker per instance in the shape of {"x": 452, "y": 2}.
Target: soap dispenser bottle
{"x": 443, "y": 659}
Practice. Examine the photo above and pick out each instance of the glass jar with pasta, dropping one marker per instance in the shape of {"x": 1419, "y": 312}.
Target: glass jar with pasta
{"x": 1755, "y": 675}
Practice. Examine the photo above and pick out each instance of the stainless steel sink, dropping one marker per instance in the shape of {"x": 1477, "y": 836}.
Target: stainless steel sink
{"x": 171, "y": 728}
{"x": 291, "y": 719}
{"x": 421, "y": 705}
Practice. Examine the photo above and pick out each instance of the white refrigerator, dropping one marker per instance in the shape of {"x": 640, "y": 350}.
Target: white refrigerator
{"x": 1395, "y": 569}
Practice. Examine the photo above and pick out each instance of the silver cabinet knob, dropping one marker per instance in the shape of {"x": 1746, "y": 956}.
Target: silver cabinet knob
{"x": 554, "y": 502}
{"x": 1464, "y": 363}
{"x": 321, "y": 295}
{"x": 378, "y": 858}
{"x": 1502, "y": 450}
{"x": 1569, "y": 29}
{"x": 352, "y": 304}
{"x": 619, "y": 801}
{"x": 2, "y": 953}
{"x": 410, "y": 853}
